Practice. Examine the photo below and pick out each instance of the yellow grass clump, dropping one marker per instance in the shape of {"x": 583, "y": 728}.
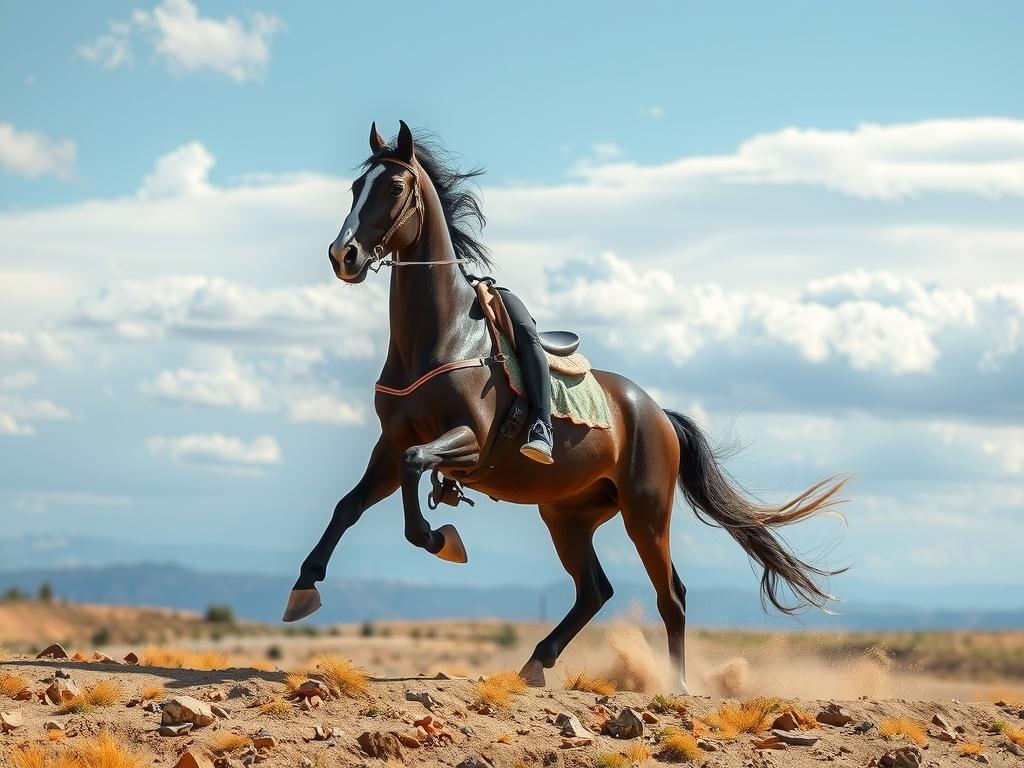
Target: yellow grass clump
{"x": 804, "y": 718}
{"x": 55, "y": 734}
{"x": 611, "y": 760}
{"x": 680, "y": 747}
{"x": 1016, "y": 735}
{"x": 262, "y": 666}
{"x": 637, "y": 754}
{"x": 152, "y": 692}
{"x": 29, "y": 756}
{"x": 589, "y": 684}
{"x": 752, "y": 716}
{"x": 226, "y": 742}
{"x": 12, "y": 685}
{"x": 341, "y": 676}
{"x": 500, "y": 689}
{"x": 278, "y": 709}
{"x": 908, "y": 729}
{"x": 103, "y": 693}
{"x": 663, "y": 705}
{"x": 177, "y": 658}
{"x": 971, "y": 749}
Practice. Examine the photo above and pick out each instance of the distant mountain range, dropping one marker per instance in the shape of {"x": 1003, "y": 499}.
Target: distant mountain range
{"x": 261, "y": 598}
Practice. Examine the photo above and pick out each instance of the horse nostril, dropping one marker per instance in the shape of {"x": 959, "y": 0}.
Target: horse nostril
{"x": 350, "y": 256}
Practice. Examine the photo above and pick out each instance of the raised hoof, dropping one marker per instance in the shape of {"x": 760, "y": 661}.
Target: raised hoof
{"x": 453, "y": 550}
{"x": 301, "y": 603}
{"x": 533, "y": 674}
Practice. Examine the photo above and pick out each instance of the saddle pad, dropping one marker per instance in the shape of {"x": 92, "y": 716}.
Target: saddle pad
{"x": 578, "y": 398}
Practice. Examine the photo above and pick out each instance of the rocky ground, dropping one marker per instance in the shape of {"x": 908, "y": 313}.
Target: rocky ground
{"x": 312, "y": 719}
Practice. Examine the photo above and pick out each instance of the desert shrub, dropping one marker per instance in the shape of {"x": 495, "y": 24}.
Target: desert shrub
{"x": 581, "y": 681}
{"x": 368, "y": 629}
{"x": 908, "y": 729}
{"x": 971, "y": 749}
{"x": 500, "y": 689}
{"x": 277, "y": 709}
{"x": 151, "y": 692}
{"x": 752, "y": 716}
{"x": 176, "y": 658}
{"x": 1016, "y": 735}
{"x": 680, "y": 747}
{"x": 219, "y": 614}
{"x": 611, "y": 760}
{"x": 663, "y": 705}
{"x": 28, "y": 756}
{"x": 226, "y": 742}
{"x": 342, "y": 677}
{"x": 274, "y": 653}
{"x": 45, "y": 593}
{"x": 12, "y": 685}
{"x": 101, "y": 636}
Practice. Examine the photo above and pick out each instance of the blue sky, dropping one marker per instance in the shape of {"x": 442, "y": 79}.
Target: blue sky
{"x": 814, "y": 212}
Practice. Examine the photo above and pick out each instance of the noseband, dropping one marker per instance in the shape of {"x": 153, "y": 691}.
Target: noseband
{"x": 413, "y": 206}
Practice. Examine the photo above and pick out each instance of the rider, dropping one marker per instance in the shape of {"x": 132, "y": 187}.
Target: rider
{"x": 533, "y": 362}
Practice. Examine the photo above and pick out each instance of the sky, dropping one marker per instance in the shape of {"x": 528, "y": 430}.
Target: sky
{"x": 801, "y": 223}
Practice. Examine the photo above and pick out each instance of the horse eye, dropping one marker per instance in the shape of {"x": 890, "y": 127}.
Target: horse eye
{"x": 397, "y": 187}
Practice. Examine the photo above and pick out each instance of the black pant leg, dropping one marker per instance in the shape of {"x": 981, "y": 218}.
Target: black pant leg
{"x": 532, "y": 359}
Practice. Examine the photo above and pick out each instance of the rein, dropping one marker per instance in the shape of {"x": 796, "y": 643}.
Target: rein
{"x": 380, "y": 251}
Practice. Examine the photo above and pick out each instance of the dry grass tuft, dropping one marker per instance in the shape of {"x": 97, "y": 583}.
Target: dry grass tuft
{"x": 804, "y": 718}
{"x": 589, "y": 684}
{"x": 152, "y": 692}
{"x": 638, "y": 754}
{"x": 177, "y": 658}
{"x": 55, "y": 734}
{"x": 226, "y": 742}
{"x": 103, "y": 693}
{"x": 680, "y": 747}
{"x": 277, "y": 709}
{"x": 908, "y": 729}
{"x": 971, "y": 749}
{"x": 12, "y": 685}
{"x": 500, "y": 689}
{"x": 29, "y": 756}
{"x": 1016, "y": 735}
{"x": 611, "y": 760}
{"x": 663, "y": 705}
{"x": 341, "y": 676}
{"x": 104, "y": 751}
{"x": 752, "y": 716}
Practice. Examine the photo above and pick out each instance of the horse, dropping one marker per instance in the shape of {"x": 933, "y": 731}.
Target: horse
{"x": 413, "y": 211}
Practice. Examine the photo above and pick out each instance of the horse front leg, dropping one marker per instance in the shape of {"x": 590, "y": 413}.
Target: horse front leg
{"x": 379, "y": 481}
{"x": 458, "y": 448}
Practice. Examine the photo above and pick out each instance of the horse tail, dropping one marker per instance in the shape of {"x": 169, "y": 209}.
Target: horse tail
{"x": 717, "y": 500}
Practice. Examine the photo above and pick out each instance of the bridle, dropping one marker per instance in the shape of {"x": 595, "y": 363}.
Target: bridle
{"x": 413, "y": 206}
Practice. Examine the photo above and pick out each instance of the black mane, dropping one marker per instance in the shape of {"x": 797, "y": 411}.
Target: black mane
{"x": 459, "y": 199}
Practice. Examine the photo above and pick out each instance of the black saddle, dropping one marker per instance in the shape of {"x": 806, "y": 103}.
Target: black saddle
{"x": 559, "y": 343}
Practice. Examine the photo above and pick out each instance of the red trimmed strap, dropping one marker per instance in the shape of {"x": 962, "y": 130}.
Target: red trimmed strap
{"x": 475, "y": 362}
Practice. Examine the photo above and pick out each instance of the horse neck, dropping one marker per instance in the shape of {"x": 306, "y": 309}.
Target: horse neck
{"x": 429, "y": 306}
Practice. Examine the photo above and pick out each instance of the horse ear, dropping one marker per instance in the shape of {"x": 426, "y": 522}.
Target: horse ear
{"x": 376, "y": 140}
{"x": 406, "y": 146}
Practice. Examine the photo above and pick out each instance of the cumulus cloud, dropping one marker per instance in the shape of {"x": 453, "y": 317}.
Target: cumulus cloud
{"x": 226, "y": 383}
{"x": 29, "y": 154}
{"x": 17, "y": 414}
{"x": 218, "y": 451}
{"x": 185, "y": 42}
{"x": 185, "y": 171}
{"x": 325, "y": 409}
{"x": 48, "y": 347}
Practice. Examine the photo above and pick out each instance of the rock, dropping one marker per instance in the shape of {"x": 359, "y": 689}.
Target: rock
{"x": 1015, "y": 749}
{"x": 571, "y": 726}
{"x": 982, "y": 758}
{"x": 79, "y": 656}
{"x": 219, "y": 711}
{"x": 215, "y": 695}
{"x": 707, "y": 745}
{"x": 942, "y": 722}
{"x": 467, "y": 730}
{"x": 626, "y": 725}
{"x": 23, "y": 695}
{"x": 194, "y": 758}
{"x": 264, "y": 739}
{"x": 134, "y": 702}
{"x": 382, "y": 745}
{"x": 131, "y": 658}
{"x": 943, "y": 735}
{"x": 322, "y": 733}
{"x": 408, "y": 740}
{"x": 785, "y": 722}
{"x": 102, "y": 658}
{"x": 305, "y": 763}
{"x": 11, "y": 720}
{"x": 863, "y": 727}
{"x": 422, "y": 697}
{"x": 311, "y": 688}
{"x": 649, "y": 718}
{"x": 805, "y": 739}
{"x": 152, "y": 706}
{"x": 186, "y": 709}
{"x": 179, "y": 729}
{"x": 568, "y": 743}
{"x": 904, "y": 757}
{"x": 62, "y": 691}
{"x": 55, "y": 651}
{"x": 63, "y": 674}
{"x": 472, "y": 761}
{"x": 311, "y": 703}
{"x": 834, "y": 715}
{"x": 52, "y": 725}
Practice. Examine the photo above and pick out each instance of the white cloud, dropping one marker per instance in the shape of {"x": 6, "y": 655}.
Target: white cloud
{"x": 325, "y": 409}
{"x": 51, "y": 348}
{"x": 183, "y": 172}
{"x": 11, "y": 426}
{"x": 218, "y": 451}
{"x": 225, "y": 384}
{"x": 32, "y": 155}
{"x": 1000, "y": 444}
{"x": 185, "y": 42}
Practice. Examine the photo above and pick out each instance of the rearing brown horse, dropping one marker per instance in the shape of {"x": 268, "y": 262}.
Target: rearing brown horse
{"x": 410, "y": 204}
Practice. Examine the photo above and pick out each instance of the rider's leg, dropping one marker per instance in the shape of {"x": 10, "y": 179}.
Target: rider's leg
{"x": 534, "y": 364}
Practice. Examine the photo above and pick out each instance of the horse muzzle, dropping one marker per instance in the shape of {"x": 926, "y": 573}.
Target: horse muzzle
{"x": 347, "y": 261}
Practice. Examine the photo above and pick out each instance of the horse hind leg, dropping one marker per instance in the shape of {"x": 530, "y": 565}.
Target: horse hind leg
{"x": 647, "y": 518}
{"x": 572, "y": 532}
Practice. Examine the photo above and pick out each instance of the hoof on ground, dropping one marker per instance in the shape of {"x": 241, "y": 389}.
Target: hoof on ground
{"x": 533, "y": 674}
{"x": 453, "y": 550}
{"x": 301, "y": 603}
